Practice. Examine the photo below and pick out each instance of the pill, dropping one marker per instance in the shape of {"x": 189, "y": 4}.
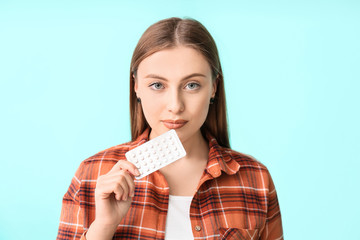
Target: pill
{"x": 156, "y": 153}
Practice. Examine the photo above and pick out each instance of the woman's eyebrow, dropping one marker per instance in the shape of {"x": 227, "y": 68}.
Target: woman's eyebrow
{"x": 187, "y": 77}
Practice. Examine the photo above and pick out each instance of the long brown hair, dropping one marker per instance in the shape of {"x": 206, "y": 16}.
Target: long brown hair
{"x": 169, "y": 33}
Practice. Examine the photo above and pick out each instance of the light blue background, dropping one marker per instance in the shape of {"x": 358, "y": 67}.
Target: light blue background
{"x": 292, "y": 83}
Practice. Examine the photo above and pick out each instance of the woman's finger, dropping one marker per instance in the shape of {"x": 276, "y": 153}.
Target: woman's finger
{"x": 130, "y": 182}
{"x": 123, "y": 164}
{"x": 121, "y": 187}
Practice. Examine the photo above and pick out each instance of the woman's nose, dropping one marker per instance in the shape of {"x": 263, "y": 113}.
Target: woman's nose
{"x": 175, "y": 102}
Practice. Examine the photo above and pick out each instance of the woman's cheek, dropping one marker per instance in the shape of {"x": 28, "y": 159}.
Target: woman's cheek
{"x": 152, "y": 110}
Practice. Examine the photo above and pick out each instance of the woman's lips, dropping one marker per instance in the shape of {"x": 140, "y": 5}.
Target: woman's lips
{"x": 174, "y": 124}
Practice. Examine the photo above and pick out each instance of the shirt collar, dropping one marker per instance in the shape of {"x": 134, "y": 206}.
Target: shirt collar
{"x": 141, "y": 139}
{"x": 220, "y": 158}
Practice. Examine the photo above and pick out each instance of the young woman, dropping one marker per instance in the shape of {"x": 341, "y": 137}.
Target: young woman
{"x": 176, "y": 82}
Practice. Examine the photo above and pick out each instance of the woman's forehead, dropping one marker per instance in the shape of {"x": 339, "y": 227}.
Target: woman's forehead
{"x": 178, "y": 61}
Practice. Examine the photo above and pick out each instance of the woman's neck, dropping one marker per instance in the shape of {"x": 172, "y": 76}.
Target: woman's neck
{"x": 183, "y": 175}
{"x": 196, "y": 146}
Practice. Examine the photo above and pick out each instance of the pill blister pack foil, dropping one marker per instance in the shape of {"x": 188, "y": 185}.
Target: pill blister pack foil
{"x": 156, "y": 153}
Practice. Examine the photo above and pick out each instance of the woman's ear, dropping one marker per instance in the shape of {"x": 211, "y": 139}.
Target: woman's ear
{"x": 135, "y": 83}
{"x": 215, "y": 83}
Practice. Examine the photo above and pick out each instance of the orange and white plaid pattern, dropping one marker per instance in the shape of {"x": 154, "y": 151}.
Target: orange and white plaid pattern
{"x": 235, "y": 199}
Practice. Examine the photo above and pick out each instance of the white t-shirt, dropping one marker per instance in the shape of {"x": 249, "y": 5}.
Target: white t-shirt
{"x": 178, "y": 225}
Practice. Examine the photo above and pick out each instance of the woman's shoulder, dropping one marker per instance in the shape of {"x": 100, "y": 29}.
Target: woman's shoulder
{"x": 116, "y": 153}
{"x": 232, "y": 158}
{"x": 102, "y": 162}
{"x": 246, "y": 161}
{"x": 250, "y": 170}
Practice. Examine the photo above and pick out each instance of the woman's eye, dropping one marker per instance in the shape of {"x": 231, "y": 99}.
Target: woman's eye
{"x": 156, "y": 86}
{"x": 192, "y": 86}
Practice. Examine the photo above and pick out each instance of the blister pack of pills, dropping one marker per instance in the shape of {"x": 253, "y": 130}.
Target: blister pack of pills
{"x": 156, "y": 153}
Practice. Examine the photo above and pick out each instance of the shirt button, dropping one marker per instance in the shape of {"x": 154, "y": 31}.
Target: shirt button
{"x": 197, "y": 228}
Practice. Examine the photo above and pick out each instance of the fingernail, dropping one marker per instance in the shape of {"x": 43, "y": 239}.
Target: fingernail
{"x": 137, "y": 172}
{"x": 132, "y": 194}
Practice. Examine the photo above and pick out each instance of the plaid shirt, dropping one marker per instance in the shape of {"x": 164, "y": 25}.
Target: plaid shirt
{"x": 235, "y": 199}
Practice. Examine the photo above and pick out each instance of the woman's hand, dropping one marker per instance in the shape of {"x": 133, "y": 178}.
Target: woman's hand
{"x": 113, "y": 196}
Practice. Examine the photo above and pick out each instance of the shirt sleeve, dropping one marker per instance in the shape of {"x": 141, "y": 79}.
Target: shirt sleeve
{"x": 72, "y": 214}
{"x": 273, "y": 228}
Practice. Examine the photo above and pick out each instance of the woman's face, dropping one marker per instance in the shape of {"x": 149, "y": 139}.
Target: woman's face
{"x": 175, "y": 87}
